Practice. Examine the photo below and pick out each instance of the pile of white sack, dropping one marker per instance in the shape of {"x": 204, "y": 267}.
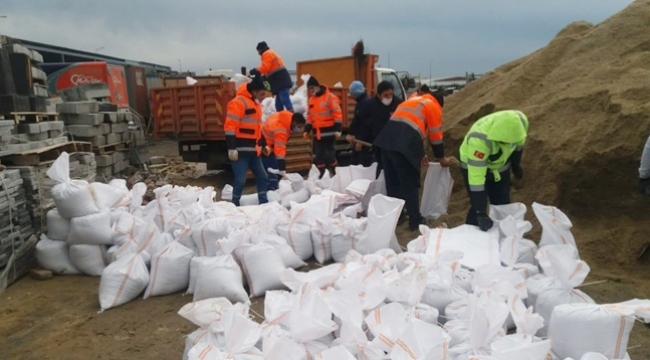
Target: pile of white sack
{"x": 455, "y": 294}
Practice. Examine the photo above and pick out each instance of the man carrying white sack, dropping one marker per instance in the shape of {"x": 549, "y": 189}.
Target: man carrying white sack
{"x": 402, "y": 150}
{"x": 644, "y": 170}
{"x": 491, "y": 149}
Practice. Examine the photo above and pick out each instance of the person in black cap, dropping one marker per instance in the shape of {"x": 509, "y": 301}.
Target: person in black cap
{"x": 244, "y": 140}
{"x": 272, "y": 67}
{"x": 324, "y": 115}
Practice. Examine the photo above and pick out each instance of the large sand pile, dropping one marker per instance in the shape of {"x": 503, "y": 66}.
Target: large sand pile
{"x": 587, "y": 95}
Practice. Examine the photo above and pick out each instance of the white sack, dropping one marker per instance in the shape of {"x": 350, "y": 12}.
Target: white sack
{"x": 421, "y": 341}
{"x": 556, "y": 226}
{"x": 383, "y": 214}
{"x": 93, "y": 229}
{"x": 109, "y": 197}
{"x": 310, "y": 319}
{"x": 321, "y": 236}
{"x": 577, "y": 329}
{"x": 346, "y": 175}
{"x": 170, "y": 270}
{"x": 386, "y": 324}
{"x": 298, "y": 237}
{"x": 479, "y": 248}
{"x": 89, "y": 259}
{"x": 347, "y": 237}
{"x": 437, "y": 191}
{"x": 219, "y": 276}
{"x": 204, "y": 313}
{"x": 517, "y": 347}
{"x": 73, "y": 198}
{"x": 527, "y": 251}
{"x": 202, "y": 336}
{"x": 298, "y": 197}
{"x": 122, "y": 281}
{"x": 407, "y": 286}
{"x": 263, "y": 266}
{"x": 58, "y": 227}
{"x": 53, "y": 255}
{"x": 209, "y": 231}
{"x": 289, "y": 257}
{"x": 358, "y": 188}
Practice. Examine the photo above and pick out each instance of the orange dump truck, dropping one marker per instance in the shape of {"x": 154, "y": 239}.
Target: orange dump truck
{"x": 194, "y": 116}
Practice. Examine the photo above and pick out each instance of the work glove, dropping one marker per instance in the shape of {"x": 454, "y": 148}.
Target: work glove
{"x": 266, "y": 151}
{"x": 337, "y": 135}
{"x": 306, "y": 136}
{"x": 484, "y": 221}
{"x": 233, "y": 155}
{"x": 282, "y": 173}
{"x": 518, "y": 172}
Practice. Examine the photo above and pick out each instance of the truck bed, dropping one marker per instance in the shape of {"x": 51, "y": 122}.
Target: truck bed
{"x": 194, "y": 116}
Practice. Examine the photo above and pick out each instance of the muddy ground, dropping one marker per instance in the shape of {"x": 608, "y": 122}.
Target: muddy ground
{"x": 59, "y": 319}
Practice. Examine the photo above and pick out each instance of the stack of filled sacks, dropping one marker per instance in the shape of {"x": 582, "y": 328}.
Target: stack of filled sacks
{"x": 456, "y": 293}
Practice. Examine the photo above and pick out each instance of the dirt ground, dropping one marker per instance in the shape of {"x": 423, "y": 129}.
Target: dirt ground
{"x": 59, "y": 319}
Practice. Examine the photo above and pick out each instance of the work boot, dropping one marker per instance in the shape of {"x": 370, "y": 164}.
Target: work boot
{"x": 644, "y": 186}
{"x": 415, "y": 225}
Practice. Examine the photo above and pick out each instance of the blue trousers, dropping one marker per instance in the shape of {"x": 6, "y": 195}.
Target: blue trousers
{"x": 271, "y": 162}
{"x": 249, "y": 160}
{"x": 283, "y": 101}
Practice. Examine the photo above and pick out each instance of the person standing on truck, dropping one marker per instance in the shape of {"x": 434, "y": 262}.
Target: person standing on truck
{"x": 491, "y": 149}
{"x": 277, "y": 130}
{"x": 244, "y": 140}
{"x": 402, "y": 150}
{"x": 272, "y": 67}
{"x": 361, "y": 155}
{"x": 325, "y": 117}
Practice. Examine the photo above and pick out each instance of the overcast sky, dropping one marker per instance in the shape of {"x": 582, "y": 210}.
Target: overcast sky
{"x": 453, "y": 36}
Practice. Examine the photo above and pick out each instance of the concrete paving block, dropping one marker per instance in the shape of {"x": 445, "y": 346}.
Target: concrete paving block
{"x": 78, "y": 107}
{"x": 84, "y": 130}
{"x": 97, "y": 141}
{"x": 107, "y": 107}
{"x": 39, "y": 137}
{"x": 27, "y": 128}
{"x": 38, "y": 74}
{"x": 110, "y": 117}
{"x": 119, "y": 156}
{"x": 113, "y": 138}
{"x": 104, "y": 160}
{"x": 104, "y": 129}
{"x": 95, "y": 91}
{"x": 126, "y": 136}
{"x": 40, "y": 90}
{"x": 36, "y": 56}
{"x": 56, "y": 125}
{"x": 119, "y": 128}
{"x": 104, "y": 171}
{"x": 128, "y": 116}
{"x": 54, "y": 133}
{"x": 121, "y": 116}
{"x": 83, "y": 119}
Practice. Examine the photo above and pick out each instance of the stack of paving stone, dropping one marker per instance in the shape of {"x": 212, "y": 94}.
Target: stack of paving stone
{"x": 95, "y": 122}
{"x": 100, "y": 124}
{"x": 33, "y": 136}
{"x": 6, "y": 134}
{"x": 38, "y": 185}
{"x": 16, "y": 230}
{"x": 28, "y": 90}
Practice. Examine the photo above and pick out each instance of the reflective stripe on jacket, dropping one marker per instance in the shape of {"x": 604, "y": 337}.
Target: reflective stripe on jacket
{"x": 243, "y": 125}
{"x": 424, "y": 115}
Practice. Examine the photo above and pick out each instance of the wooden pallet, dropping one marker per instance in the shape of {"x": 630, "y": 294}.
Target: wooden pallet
{"x": 109, "y": 149}
{"x": 49, "y": 153}
{"x": 31, "y": 117}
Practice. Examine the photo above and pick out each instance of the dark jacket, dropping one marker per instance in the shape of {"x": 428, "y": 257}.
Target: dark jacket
{"x": 278, "y": 79}
{"x": 355, "y": 126}
{"x": 402, "y": 138}
{"x": 374, "y": 115}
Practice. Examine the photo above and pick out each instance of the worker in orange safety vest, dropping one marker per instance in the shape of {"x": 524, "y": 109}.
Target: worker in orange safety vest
{"x": 277, "y": 130}
{"x": 272, "y": 67}
{"x": 402, "y": 150}
{"x": 244, "y": 140}
{"x": 325, "y": 117}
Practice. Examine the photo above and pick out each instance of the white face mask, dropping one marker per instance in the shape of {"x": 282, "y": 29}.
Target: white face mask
{"x": 386, "y": 101}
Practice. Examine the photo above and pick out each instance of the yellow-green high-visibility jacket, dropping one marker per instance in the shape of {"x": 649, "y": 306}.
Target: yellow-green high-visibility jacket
{"x": 489, "y": 144}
